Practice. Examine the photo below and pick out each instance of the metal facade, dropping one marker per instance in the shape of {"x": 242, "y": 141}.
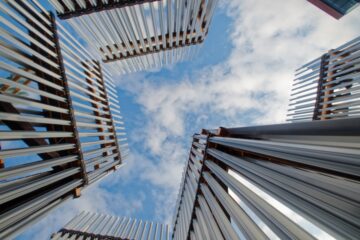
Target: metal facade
{"x": 58, "y": 113}
{"x": 237, "y": 179}
{"x": 336, "y": 8}
{"x": 328, "y": 87}
{"x": 100, "y": 226}
{"x": 149, "y": 34}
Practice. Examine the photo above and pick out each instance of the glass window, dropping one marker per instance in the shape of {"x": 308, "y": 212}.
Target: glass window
{"x": 342, "y": 6}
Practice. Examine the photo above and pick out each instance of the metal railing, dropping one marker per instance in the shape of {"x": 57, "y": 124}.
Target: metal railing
{"x": 60, "y": 127}
{"x": 328, "y": 87}
{"x": 101, "y": 226}
{"x": 142, "y": 34}
{"x": 286, "y": 181}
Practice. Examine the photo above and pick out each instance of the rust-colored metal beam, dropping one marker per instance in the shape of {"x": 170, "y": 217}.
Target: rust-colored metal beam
{"x": 150, "y": 50}
{"x": 100, "y": 6}
{"x": 327, "y": 91}
{"x": 324, "y": 63}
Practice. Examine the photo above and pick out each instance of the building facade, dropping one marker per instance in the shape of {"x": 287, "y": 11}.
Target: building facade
{"x": 104, "y": 227}
{"x": 336, "y": 8}
{"x": 60, "y": 127}
{"x": 284, "y": 181}
{"x": 139, "y": 35}
{"x": 328, "y": 87}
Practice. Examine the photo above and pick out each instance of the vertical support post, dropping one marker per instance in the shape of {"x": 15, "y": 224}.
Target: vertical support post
{"x": 74, "y": 129}
{"x": 327, "y": 91}
{"x": 322, "y": 75}
{"x": 201, "y": 180}
{"x": 89, "y": 75}
{"x": 113, "y": 130}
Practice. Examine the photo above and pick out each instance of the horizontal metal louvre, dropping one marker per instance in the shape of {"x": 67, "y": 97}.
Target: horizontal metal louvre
{"x": 328, "y": 87}
{"x": 188, "y": 189}
{"x": 39, "y": 163}
{"x": 103, "y": 226}
{"x": 95, "y": 124}
{"x": 53, "y": 108}
{"x": 258, "y": 182}
{"x": 141, "y": 34}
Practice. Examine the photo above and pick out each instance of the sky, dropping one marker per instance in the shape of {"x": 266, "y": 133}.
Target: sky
{"x": 241, "y": 76}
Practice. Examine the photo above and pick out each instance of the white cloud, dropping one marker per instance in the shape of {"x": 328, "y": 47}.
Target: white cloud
{"x": 95, "y": 198}
{"x": 270, "y": 40}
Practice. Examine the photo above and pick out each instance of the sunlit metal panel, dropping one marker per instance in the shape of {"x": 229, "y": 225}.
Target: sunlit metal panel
{"x": 328, "y": 87}
{"x": 140, "y": 35}
{"x": 60, "y": 126}
{"x": 100, "y": 226}
{"x": 286, "y": 181}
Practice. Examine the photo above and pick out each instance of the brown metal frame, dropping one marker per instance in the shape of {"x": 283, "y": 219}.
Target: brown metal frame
{"x": 327, "y": 87}
{"x": 282, "y": 162}
{"x": 187, "y": 43}
{"x": 74, "y": 127}
{"x": 322, "y": 75}
{"x": 57, "y": 171}
{"x": 113, "y": 130}
{"x": 100, "y": 7}
{"x": 95, "y": 106}
{"x": 86, "y": 235}
{"x": 65, "y": 179}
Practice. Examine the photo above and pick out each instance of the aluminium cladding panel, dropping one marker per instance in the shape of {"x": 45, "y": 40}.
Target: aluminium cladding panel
{"x": 145, "y": 35}
{"x": 286, "y": 181}
{"x": 188, "y": 189}
{"x": 46, "y": 155}
{"x": 101, "y": 226}
{"x": 328, "y": 87}
{"x": 96, "y": 108}
{"x": 40, "y": 162}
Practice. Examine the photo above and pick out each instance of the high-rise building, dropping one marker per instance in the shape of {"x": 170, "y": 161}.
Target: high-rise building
{"x": 336, "y": 8}
{"x": 139, "y": 35}
{"x": 60, "y": 127}
{"x": 284, "y": 181}
{"x": 328, "y": 87}
{"x": 104, "y": 227}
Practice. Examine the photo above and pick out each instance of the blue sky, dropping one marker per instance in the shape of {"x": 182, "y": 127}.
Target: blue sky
{"x": 242, "y": 76}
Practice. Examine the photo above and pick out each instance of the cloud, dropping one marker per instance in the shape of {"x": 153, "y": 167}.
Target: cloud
{"x": 269, "y": 39}
{"x": 95, "y": 198}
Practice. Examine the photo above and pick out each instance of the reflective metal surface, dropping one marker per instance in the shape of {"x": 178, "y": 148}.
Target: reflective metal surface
{"x": 60, "y": 127}
{"x": 140, "y": 35}
{"x": 328, "y": 87}
{"x": 100, "y": 226}
{"x": 284, "y": 181}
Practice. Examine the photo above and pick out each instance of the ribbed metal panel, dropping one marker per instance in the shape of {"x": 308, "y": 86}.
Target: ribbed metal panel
{"x": 60, "y": 125}
{"x": 328, "y": 87}
{"x": 249, "y": 176}
{"x": 142, "y": 34}
{"x": 95, "y": 107}
{"x": 188, "y": 187}
{"x": 100, "y": 226}
{"x": 39, "y": 152}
